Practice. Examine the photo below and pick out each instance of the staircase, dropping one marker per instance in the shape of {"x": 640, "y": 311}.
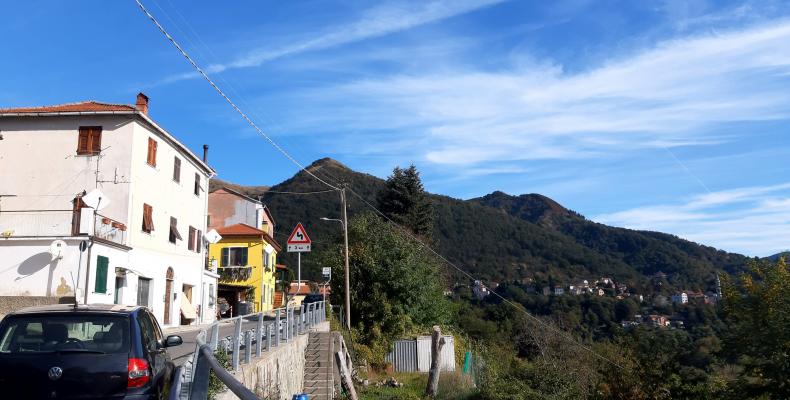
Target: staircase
{"x": 319, "y": 364}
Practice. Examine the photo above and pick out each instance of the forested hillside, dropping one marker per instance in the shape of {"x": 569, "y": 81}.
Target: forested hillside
{"x": 500, "y": 237}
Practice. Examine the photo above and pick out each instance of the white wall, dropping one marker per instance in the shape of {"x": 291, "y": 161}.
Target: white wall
{"x": 39, "y": 163}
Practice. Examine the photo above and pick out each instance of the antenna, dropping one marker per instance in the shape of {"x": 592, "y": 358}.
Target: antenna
{"x": 56, "y": 249}
{"x": 212, "y": 236}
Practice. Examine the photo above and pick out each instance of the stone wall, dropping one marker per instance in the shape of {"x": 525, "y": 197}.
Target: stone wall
{"x": 279, "y": 372}
{"x": 9, "y": 304}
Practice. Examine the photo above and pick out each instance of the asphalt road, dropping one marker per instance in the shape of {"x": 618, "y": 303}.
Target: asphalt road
{"x": 180, "y": 354}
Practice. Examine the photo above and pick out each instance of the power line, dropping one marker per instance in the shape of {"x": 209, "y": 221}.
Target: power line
{"x": 299, "y": 193}
{"x": 564, "y": 334}
{"x": 224, "y": 96}
{"x": 294, "y": 161}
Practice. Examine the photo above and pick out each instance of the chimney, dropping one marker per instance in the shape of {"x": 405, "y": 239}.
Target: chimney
{"x": 205, "y": 153}
{"x": 142, "y": 103}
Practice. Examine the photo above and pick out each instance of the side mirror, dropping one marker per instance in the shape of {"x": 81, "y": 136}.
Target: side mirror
{"x": 173, "y": 340}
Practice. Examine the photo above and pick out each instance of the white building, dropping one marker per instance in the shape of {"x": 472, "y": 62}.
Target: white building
{"x": 680, "y": 298}
{"x": 144, "y": 244}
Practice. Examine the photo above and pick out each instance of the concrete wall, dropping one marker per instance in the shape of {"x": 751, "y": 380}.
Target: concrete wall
{"x": 9, "y": 304}
{"x": 278, "y": 373}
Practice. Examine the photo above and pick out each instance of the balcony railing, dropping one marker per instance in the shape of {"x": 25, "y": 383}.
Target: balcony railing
{"x": 234, "y": 274}
{"x": 31, "y": 223}
{"x": 109, "y": 229}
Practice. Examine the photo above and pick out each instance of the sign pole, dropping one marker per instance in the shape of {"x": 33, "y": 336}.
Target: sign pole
{"x": 299, "y": 272}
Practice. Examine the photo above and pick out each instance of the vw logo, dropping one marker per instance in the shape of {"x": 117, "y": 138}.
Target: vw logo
{"x": 55, "y": 373}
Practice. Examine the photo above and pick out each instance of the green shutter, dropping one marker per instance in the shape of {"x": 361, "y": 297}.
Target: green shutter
{"x": 225, "y": 257}
{"x": 101, "y": 274}
{"x": 244, "y": 252}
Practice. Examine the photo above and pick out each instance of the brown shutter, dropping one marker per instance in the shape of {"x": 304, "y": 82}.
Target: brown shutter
{"x": 148, "y": 221}
{"x": 95, "y": 139}
{"x": 82, "y": 142}
{"x": 151, "y": 152}
{"x": 177, "y": 169}
{"x": 199, "y": 241}
{"x": 191, "y": 243}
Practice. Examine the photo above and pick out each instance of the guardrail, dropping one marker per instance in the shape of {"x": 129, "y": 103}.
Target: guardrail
{"x": 191, "y": 380}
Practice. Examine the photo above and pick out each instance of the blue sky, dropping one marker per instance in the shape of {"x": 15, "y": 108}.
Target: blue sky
{"x": 661, "y": 115}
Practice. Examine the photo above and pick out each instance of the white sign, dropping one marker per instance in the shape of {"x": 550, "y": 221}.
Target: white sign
{"x": 326, "y": 272}
{"x": 299, "y": 242}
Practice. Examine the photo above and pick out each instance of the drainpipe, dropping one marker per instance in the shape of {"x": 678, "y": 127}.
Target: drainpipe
{"x": 88, "y": 269}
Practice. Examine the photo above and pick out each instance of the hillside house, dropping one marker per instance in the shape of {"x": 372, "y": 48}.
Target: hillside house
{"x": 137, "y": 240}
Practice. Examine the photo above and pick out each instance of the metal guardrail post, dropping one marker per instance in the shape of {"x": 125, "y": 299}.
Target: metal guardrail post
{"x": 247, "y": 347}
{"x": 236, "y": 344}
{"x": 287, "y": 326}
{"x": 295, "y": 323}
{"x": 300, "y": 321}
{"x": 214, "y": 336}
{"x": 200, "y": 377}
{"x": 258, "y": 335}
{"x": 277, "y": 328}
{"x": 268, "y": 333}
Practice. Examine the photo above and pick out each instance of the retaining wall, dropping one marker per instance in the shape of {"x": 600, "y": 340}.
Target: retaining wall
{"x": 279, "y": 372}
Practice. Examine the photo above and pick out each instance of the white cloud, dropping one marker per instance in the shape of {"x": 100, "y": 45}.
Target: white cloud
{"x": 375, "y": 22}
{"x": 750, "y": 220}
{"x": 669, "y": 95}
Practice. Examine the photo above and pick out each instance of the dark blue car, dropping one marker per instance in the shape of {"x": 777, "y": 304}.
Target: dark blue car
{"x": 84, "y": 352}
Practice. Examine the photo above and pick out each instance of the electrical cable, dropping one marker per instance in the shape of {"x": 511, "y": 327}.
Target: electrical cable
{"x": 224, "y": 96}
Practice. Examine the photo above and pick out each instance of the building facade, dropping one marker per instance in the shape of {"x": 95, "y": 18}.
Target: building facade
{"x": 246, "y": 254}
{"x": 122, "y": 199}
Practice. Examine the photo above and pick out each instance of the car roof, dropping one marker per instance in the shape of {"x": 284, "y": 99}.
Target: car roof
{"x": 70, "y": 308}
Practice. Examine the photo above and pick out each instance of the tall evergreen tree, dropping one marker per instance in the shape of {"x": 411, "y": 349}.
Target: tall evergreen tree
{"x": 403, "y": 199}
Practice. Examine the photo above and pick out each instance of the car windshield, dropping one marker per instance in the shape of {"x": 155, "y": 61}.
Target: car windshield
{"x": 73, "y": 333}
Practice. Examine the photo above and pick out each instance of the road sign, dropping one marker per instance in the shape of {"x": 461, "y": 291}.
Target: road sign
{"x": 299, "y": 242}
{"x": 326, "y": 272}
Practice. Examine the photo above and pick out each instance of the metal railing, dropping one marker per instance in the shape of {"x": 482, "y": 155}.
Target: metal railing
{"x": 260, "y": 335}
{"x": 109, "y": 229}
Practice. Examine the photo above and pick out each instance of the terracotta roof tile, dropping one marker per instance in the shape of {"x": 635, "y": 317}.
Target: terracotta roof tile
{"x": 240, "y": 230}
{"x": 83, "y": 106}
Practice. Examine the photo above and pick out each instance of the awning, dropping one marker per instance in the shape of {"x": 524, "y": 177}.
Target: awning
{"x": 187, "y": 309}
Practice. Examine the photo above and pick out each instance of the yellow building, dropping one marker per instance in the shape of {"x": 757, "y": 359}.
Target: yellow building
{"x": 245, "y": 258}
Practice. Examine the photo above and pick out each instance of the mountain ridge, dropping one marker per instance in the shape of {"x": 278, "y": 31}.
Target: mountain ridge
{"x": 503, "y": 237}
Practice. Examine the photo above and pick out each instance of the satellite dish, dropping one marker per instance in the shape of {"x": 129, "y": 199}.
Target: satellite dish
{"x": 212, "y": 236}
{"x": 96, "y": 199}
{"x": 57, "y": 249}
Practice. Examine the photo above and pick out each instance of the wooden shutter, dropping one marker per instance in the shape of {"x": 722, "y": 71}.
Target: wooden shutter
{"x": 199, "y": 241}
{"x": 244, "y": 252}
{"x": 95, "y": 139}
{"x": 177, "y": 169}
{"x": 174, "y": 235}
{"x": 197, "y": 185}
{"x": 101, "y": 274}
{"x": 152, "y": 152}
{"x": 191, "y": 244}
{"x": 148, "y": 221}
{"x": 82, "y": 141}
{"x": 225, "y": 258}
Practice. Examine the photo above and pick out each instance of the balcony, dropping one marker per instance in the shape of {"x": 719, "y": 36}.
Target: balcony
{"x": 235, "y": 274}
{"x": 60, "y": 223}
{"x": 34, "y": 223}
{"x": 109, "y": 229}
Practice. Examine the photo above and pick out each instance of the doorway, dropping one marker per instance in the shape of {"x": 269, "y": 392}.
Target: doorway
{"x": 187, "y": 293}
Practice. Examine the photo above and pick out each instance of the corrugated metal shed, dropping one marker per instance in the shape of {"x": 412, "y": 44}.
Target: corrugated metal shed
{"x": 415, "y": 355}
{"x": 404, "y": 356}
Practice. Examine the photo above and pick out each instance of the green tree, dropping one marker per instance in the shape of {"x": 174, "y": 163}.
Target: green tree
{"x": 757, "y": 311}
{"x": 396, "y": 287}
{"x": 404, "y": 200}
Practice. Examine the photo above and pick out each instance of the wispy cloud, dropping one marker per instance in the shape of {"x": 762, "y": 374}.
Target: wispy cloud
{"x": 375, "y": 22}
{"x": 670, "y": 95}
{"x": 751, "y": 220}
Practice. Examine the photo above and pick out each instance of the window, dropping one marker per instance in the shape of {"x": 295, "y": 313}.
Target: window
{"x": 151, "y": 152}
{"x": 174, "y": 235}
{"x": 30, "y": 334}
{"x": 177, "y": 169}
{"x": 89, "y": 141}
{"x": 101, "y": 274}
{"x": 267, "y": 261}
{"x": 197, "y": 185}
{"x": 143, "y": 289}
{"x": 234, "y": 257}
{"x": 191, "y": 244}
{"x": 148, "y": 220}
{"x": 147, "y": 331}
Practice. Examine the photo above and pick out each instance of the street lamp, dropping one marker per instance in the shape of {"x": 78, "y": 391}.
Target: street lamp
{"x": 344, "y": 222}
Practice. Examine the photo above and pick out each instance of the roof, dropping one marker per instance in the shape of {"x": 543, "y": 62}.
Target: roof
{"x": 64, "y": 308}
{"x": 240, "y": 230}
{"x": 303, "y": 289}
{"x": 246, "y": 230}
{"x": 237, "y": 193}
{"x": 83, "y": 106}
{"x": 91, "y": 107}
{"x": 281, "y": 266}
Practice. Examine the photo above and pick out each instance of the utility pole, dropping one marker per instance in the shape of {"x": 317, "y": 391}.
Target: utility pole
{"x": 345, "y": 237}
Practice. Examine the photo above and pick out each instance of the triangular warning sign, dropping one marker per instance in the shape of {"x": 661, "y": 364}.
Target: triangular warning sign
{"x": 299, "y": 235}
